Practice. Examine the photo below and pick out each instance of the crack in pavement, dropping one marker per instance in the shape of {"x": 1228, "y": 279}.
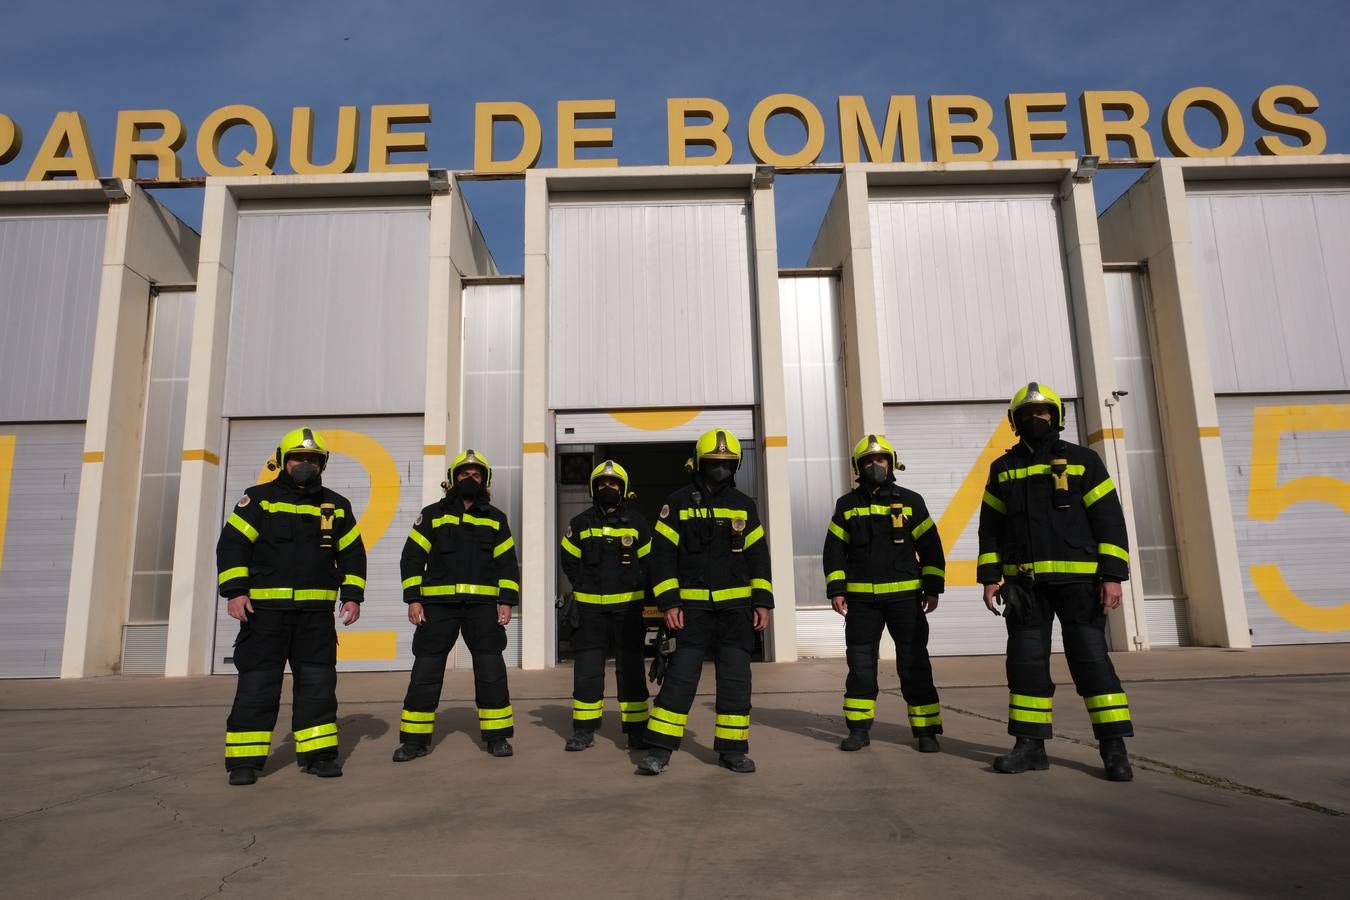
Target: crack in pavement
{"x": 83, "y": 797}
{"x": 220, "y": 889}
{"x": 1202, "y": 778}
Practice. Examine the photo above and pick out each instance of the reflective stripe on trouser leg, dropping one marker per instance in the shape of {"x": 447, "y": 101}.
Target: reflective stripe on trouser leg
{"x": 1030, "y": 716}
{"x": 416, "y": 727}
{"x": 318, "y": 737}
{"x": 496, "y": 723}
{"x": 665, "y": 726}
{"x": 731, "y": 733}
{"x": 247, "y": 748}
{"x": 925, "y": 719}
{"x": 670, "y": 711}
{"x": 586, "y": 715}
{"x": 1110, "y": 715}
{"x": 859, "y": 712}
{"x": 634, "y": 713}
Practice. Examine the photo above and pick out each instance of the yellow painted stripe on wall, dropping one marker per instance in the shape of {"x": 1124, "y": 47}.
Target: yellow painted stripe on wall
{"x": 775, "y": 440}
{"x": 534, "y": 447}
{"x": 1117, "y": 434}
{"x": 201, "y": 456}
{"x": 7, "y": 442}
{"x": 1209, "y": 431}
{"x": 93, "y": 456}
{"x": 367, "y": 645}
{"x": 433, "y": 449}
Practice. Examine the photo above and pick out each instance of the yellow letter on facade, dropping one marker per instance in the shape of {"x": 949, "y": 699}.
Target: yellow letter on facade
{"x": 1098, "y": 131}
{"x": 485, "y": 119}
{"x": 803, "y": 111}
{"x": 902, "y": 117}
{"x": 258, "y": 161}
{"x": 131, "y": 148}
{"x": 1224, "y": 110}
{"x": 384, "y": 142}
{"x": 1023, "y": 130}
{"x": 570, "y": 137}
{"x": 68, "y": 135}
{"x": 946, "y": 133}
{"x": 1311, "y": 135}
{"x": 11, "y": 139}
{"x": 302, "y": 142}
{"x": 680, "y": 135}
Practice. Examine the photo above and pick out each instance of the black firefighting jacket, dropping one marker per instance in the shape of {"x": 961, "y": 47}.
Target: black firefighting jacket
{"x": 289, "y": 547}
{"x": 604, "y": 555}
{"x": 882, "y": 546}
{"x": 1052, "y": 514}
{"x": 455, "y": 554}
{"x": 709, "y": 551}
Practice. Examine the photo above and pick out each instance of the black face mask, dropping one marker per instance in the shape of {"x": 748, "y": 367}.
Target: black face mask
{"x": 608, "y": 496}
{"x": 1036, "y": 430}
{"x": 469, "y": 489}
{"x": 717, "y": 472}
{"x": 875, "y": 475}
{"x": 304, "y": 474}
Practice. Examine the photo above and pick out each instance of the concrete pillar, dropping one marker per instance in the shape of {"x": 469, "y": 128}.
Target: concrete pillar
{"x": 442, "y": 423}
{"x": 193, "y": 597}
{"x": 857, "y": 284}
{"x": 776, "y": 508}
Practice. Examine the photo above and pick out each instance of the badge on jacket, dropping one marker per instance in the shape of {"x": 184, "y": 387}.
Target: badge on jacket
{"x": 626, "y": 540}
{"x": 665, "y": 511}
{"x": 418, "y": 520}
{"x": 243, "y": 501}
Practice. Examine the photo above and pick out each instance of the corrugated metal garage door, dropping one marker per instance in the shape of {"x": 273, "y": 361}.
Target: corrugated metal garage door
{"x": 39, "y": 490}
{"x": 1288, "y": 465}
{"x": 376, "y": 464}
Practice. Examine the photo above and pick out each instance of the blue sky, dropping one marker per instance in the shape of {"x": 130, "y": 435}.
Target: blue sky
{"x": 192, "y": 58}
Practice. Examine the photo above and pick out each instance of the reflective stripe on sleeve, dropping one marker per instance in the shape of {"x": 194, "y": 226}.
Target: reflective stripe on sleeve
{"x": 231, "y": 574}
{"x": 994, "y": 503}
{"x": 1098, "y": 492}
{"x": 349, "y": 537}
{"x": 242, "y": 527}
{"x": 419, "y": 539}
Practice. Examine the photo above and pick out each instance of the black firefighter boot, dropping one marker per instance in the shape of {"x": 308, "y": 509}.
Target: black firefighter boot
{"x": 499, "y": 747}
{"x": 736, "y": 762}
{"x": 655, "y": 762}
{"x": 1027, "y": 753}
{"x": 243, "y": 775}
{"x": 1115, "y": 760}
{"x": 324, "y": 767}
{"x": 581, "y": 739}
{"x": 928, "y": 743}
{"x": 408, "y": 751}
{"x": 857, "y": 739}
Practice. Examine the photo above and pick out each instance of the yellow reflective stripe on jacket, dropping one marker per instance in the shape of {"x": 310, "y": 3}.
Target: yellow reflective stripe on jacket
{"x": 414, "y": 581}
{"x": 761, "y": 584}
{"x": 934, "y": 571}
{"x": 356, "y": 580}
{"x": 988, "y": 559}
{"x": 471, "y": 519}
{"x": 875, "y": 509}
{"x": 447, "y": 519}
{"x": 669, "y": 584}
{"x": 1099, "y": 492}
{"x": 242, "y": 527}
{"x": 754, "y": 536}
{"x": 644, "y": 549}
{"x": 717, "y": 512}
{"x": 884, "y": 587}
{"x": 736, "y": 593}
{"x": 506, "y": 584}
{"x": 607, "y": 598}
{"x": 994, "y": 503}
{"x": 419, "y": 539}
{"x": 571, "y": 548}
{"x": 836, "y": 575}
{"x": 503, "y": 547}
{"x": 922, "y": 528}
{"x": 838, "y": 532}
{"x": 1037, "y": 469}
{"x": 347, "y": 538}
{"x": 302, "y": 509}
{"x": 607, "y": 532}
{"x": 446, "y": 590}
{"x": 1113, "y": 550}
{"x": 668, "y": 533}
{"x": 231, "y": 574}
{"x": 1054, "y": 567}
{"x": 291, "y": 594}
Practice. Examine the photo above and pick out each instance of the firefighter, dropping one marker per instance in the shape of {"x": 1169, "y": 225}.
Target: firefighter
{"x": 289, "y": 549}
{"x": 604, "y": 553}
{"x": 884, "y": 569}
{"x": 1052, "y": 528}
{"x": 460, "y": 574}
{"x": 710, "y": 578}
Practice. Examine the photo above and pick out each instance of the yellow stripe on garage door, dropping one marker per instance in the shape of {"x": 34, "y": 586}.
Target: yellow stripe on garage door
{"x": 7, "y": 442}
{"x": 367, "y": 645}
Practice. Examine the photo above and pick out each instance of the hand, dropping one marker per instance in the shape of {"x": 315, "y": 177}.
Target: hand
{"x": 761, "y": 618}
{"x": 238, "y": 607}
{"x": 675, "y": 618}
{"x": 839, "y": 605}
{"x": 930, "y": 603}
{"x": 351, "y": 611}
{"x": 991, "y": 597}
{"x": 1111, "y": 594}
{"x": 416, "y": 614}
{"x": 503, "y": 614}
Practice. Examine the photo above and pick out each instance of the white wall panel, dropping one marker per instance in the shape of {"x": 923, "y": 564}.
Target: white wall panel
{"x": 1274, "y": 269}
{"x": 1288, "y": 465}
{"x": 398, "y": 445}
{"x": 328, "y": 315}
{"x": 50, "y": 268}
{"x": 39, "y": 489}
{"x": 818, "y": 448}
{"x": 671, "y": 284}
{"x": 972, "y": 296}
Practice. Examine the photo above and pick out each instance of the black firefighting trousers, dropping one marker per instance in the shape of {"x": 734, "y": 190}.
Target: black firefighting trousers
{"x": 731, "y": 632}
{"x": 908, "y": 625}
{"x": 617, "y": 627}
{"x": 307, "y": 639}
{"x": 432, "y": 642}
{"x": 1083, "y": 624}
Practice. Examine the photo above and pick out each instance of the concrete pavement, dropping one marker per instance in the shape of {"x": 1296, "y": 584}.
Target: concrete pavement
{"x": 114, "y": 787}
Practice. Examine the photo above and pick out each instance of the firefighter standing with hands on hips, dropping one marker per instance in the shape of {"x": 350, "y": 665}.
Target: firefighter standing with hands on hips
{"x": 604, "y": 554}
{"x": 884, "y": 569}
{"x": 460, "y": 573}
{"x": 289, "y": 549}
{"x": 1052, "y": 528}
{"x": 710, "y": 577}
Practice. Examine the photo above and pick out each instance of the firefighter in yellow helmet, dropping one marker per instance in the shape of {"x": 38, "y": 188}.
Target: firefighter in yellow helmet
{"x": 1053, "y": 532}
{"x": 604, "y": 556}
{"x": 460, "y": 574}
{"x": 884, "y": 570}
{"x": 289, "y": 550}
{"x": 710, "y": 577}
